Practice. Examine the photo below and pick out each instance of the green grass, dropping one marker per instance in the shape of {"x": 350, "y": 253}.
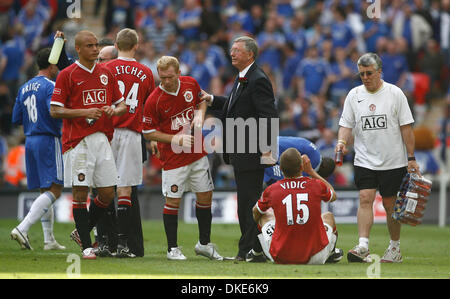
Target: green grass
{"x": 425, "y": 249}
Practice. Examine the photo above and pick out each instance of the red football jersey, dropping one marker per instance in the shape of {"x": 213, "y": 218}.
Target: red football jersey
{"x": 136, "y": 83}
{"x": 170, "y": 113}
{"x": 299, "y": 231}
{"x": 80, "y": 88}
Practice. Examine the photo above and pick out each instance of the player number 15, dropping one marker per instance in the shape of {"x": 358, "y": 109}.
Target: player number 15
{"x": 302, "y": 209}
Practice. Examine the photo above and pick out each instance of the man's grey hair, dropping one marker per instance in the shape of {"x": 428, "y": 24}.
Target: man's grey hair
{"x": 112, "y": 51}
{"x": 369, "y": 59}
{"x": 249, "y": 44}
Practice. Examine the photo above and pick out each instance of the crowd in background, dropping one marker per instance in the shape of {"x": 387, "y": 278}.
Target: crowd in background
{"x": 309, "y": 50}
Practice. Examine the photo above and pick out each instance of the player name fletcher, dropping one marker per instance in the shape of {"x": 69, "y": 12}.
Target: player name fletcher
{"x": 130, "y": 70}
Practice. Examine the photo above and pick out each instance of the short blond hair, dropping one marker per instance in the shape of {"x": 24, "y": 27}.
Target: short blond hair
{"x": 165, "y": 62}
{"x": 126, "y": 39}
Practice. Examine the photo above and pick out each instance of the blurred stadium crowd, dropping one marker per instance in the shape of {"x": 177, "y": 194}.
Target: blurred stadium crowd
{"x": 308, "y": 48}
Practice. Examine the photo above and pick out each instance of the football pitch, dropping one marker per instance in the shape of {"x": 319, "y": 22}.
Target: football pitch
{"x": 425, "y": 249}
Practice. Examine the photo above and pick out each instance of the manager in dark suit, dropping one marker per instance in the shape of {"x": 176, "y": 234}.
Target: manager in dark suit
{"x": 250, "y": 128}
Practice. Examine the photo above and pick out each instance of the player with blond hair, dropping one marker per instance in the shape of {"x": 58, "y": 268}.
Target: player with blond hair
{"x": 136, "y": 83}
{"x": 171, "y": 112}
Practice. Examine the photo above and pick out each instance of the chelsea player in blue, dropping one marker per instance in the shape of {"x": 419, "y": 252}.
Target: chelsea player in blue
{"x": 44, "y": 165}
{"x": 323, "y": 165}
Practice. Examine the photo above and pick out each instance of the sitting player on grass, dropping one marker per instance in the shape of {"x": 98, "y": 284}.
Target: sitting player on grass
{"x": 289, "y": 212}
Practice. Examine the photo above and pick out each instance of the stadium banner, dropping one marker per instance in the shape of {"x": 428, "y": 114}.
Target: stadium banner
{"x": 224, "y": 207}
{"x": 62, "y": 207}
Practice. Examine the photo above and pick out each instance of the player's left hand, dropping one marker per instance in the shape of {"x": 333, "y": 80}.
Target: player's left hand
{"x": 184, "y": 140}
{"x": 108, "y": 110}
{"x": 60, "y": 34}
{"x": 154, "y": 148}
{"x": 413, "y": 167}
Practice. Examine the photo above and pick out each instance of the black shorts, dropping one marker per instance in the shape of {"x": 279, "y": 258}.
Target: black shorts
{"x": 386, "y": 181}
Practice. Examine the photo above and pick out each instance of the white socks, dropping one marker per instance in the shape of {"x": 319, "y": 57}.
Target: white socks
{"x": 364, "y": 242}
{"x": 394, "y": 244}
{"x": 47, "y": 225}
{"x": 39, "y": 207}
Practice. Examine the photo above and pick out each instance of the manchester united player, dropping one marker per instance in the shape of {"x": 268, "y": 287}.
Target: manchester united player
{"x": 136, "y": 83}
{"x": 289, "y": 212}
{"x": 83, "y": 97}
{"x": 168, "y": 119}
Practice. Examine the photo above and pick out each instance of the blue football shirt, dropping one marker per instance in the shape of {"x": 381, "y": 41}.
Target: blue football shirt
{"x": 304, "y": 146}
{"x": 32, "y": 108}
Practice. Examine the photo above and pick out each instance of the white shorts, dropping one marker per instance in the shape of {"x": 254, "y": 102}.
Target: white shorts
{"x": 127, "y": 150}
{"x": 321, "y": 257}
{"x": 195, "y": 177}
{"x": 90, "y": 163}
{"x": 265, "y": 238}
{"x": 317, "y": 259}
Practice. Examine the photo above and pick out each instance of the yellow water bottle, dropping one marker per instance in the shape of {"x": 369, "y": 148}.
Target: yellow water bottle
{"x": 56, "y": 50}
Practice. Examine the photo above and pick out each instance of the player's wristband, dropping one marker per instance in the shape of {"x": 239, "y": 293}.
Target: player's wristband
{"x": 412, "y": 158}
{"x": 342, "y": 141}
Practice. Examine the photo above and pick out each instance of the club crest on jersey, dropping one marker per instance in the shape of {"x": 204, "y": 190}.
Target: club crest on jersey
{"x": 181, "y": 119}
{"x": 188, "y": 96}
{"x": 372, "y": 107}
{"x": 94, "y": 96}
{"x": 104, "y": 79}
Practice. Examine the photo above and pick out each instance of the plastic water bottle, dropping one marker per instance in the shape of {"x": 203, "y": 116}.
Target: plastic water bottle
{"x": 415, "y": 205}
{"x": 421, "y": 183}
{"x": 339, "y": 158}
{"x": 56, "y": 50}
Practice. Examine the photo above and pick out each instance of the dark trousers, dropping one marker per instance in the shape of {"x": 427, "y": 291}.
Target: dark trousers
{"x": 136, "y": 236}
{"x": 249, "y": 189}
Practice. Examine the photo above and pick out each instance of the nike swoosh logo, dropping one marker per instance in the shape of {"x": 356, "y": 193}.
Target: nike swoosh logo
{"x": 79, "y": 83}
{"x": 167, "y": 110}
{"x": 360, "y": 101}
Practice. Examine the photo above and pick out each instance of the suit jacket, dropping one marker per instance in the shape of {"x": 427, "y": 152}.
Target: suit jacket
{"x": 251, "y": 102}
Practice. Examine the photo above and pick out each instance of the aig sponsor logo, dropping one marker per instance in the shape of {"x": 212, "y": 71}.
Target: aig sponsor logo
{"x": 374, "y": 122}
{"x": 183, "y": 118}
{"x": 94, "y": 96}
